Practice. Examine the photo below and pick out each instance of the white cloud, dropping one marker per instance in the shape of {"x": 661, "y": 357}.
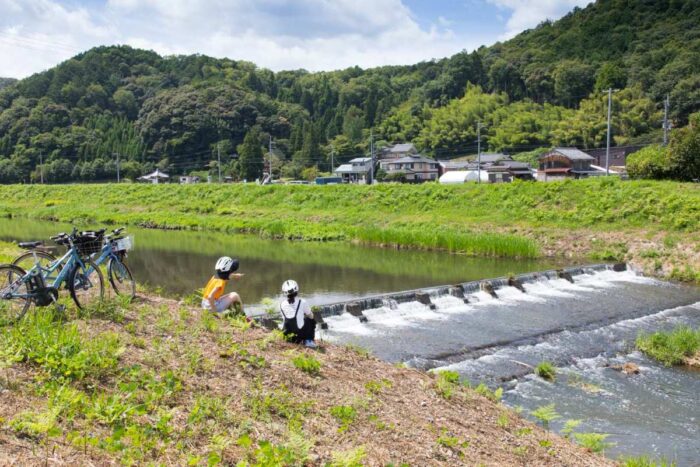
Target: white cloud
{"x": 277, "y": 34}
{"x": 527, "y": 14}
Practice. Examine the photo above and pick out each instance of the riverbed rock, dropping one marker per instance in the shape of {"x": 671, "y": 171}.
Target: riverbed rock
{"x": 628, "y": 368}
{"x": 487, "y": 287}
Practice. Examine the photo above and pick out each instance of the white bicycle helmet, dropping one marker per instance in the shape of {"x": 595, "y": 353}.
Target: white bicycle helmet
{"x": 226, "y": 264}
{"x": 289, "y": 287}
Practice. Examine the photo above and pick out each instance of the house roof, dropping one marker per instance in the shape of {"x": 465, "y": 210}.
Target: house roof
{"x": 360, "y": 160}
{"x": 349, "y": 169}
{"x": 403, "y": 147}
{"x": 572, "y": 154}
{"x": 491, "y": 157}
{"x": 515, "y": 164}
{"x": 457, "y": 164}
{"x": 410, "y": 159}
{"x": 155, "y": 174}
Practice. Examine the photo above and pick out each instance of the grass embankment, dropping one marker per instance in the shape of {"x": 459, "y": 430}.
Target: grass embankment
{"x": 654, "y": 224}
{"x": 158, "y": 381}
{"x": 680, "y": 346}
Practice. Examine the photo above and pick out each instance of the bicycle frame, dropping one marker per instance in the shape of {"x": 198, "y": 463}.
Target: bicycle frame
{"x": 69, "y": 261}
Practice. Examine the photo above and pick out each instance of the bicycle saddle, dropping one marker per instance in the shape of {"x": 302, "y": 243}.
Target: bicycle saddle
{"x": 29, "y": 245}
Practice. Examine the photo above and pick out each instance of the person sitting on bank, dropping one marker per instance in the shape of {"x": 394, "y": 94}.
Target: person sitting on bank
{"x": 299, "y": 324}
{"x": 213, "y": 298}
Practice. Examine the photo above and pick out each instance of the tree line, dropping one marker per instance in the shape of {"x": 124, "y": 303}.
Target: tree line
{"x": 187, "y": 113}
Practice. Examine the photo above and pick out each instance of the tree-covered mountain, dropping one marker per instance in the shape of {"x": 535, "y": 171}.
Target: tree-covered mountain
{"x": 4, "y": 82}
{"x": 181, "y": 113}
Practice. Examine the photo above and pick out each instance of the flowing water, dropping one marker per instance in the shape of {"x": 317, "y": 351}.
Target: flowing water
{"x": 584, "y": 327}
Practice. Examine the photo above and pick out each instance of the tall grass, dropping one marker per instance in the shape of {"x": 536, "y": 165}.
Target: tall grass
{"x": 478, "y": 220}
{"x": 672, "y": 347}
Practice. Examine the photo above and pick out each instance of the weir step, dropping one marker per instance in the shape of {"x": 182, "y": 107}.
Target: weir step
{"x": 462, "y": 291}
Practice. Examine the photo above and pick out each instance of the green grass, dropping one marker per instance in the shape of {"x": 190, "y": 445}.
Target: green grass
{"x": 645, "y": 461}
{"x": 546, "y": 370}
{"x": 471, "y": 219}
{"x": 307, "y": 364}
{"x": 670, "y": 348}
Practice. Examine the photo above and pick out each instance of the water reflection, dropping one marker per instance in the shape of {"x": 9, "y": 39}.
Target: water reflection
{"x": 180, "y": 262}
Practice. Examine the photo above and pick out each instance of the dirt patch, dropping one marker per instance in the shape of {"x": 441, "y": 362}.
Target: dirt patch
{"x": 693, "y": 361}
{"x": 254, "y": 392}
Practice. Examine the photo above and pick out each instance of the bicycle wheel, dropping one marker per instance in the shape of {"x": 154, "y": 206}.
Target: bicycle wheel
{"x": 13, "y": 306}
{"x": 26, "y": 261}
{"x": 86, "y": 284}
{"x": 121, "y": 279}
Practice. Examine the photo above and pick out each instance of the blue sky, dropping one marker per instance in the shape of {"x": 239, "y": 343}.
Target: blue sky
{"x": 277, "y": 34}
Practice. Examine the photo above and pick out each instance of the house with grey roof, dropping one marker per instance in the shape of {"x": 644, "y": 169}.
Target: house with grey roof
{"x": 398, "y": 151}
{"x": 563, "y": 163}
{"x": 355, "y": 171}
{"x": 413, "y": 168}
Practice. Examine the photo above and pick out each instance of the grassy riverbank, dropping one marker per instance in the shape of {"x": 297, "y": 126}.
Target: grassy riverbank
{"x": 653, "y": 224}
{"x": 158, "y": 381}
{"x": 678, "y": 347}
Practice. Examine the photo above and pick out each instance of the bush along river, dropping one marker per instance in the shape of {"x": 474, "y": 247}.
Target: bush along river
{"x": 585, "y": 328}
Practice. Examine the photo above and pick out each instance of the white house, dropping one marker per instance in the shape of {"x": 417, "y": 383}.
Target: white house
{"x": 155, "y": 177}
{"x": 415, "y": 168}
{"x": 355, "y": 171}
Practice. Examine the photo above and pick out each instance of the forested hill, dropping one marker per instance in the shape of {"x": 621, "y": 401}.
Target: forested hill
{"x": 541, "y": 88}
{"x": 4, "y": 82}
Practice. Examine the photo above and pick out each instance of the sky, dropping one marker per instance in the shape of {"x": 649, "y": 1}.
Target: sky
{"x": 277, "y": 34}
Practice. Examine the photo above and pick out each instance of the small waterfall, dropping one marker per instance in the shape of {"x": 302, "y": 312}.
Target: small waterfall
{"x": 466, "y": 291}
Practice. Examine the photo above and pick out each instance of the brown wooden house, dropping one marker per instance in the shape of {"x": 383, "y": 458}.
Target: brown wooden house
{"x": 563, "y": 163}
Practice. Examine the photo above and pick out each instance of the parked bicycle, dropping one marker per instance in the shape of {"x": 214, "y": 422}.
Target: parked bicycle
{"x": 20, "y": 288}
{"x": 113, "y": 250}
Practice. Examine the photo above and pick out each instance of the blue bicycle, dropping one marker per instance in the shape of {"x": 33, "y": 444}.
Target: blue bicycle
{"x": 20, "y": 288}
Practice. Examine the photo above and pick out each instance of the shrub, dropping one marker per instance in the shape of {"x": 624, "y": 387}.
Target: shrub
{"x": 546, "y": 370}
{"x": 447, "y": 382}
{"x": 651, "y": 162}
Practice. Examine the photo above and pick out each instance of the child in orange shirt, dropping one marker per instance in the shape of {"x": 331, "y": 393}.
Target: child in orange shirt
{"x": 213, "y": 298}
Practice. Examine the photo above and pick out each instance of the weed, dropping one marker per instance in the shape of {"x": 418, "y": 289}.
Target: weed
{"x": 545, "y": 415}
{"x": 503, "y": 420}
{"x": 645, "y": 461}
{"x": 670, "y": 348}
{"x": 494, "y": 396}
{"x": 351, "y": 458}
{"x": 569, "y": 427}
{"x": 345, "y": 414}
{"x": 546, "y": 370}
{"x": 376, "y": 387}
{"x": 545, "y": 443}
{"x": 595, "y": 442}
{"x": 263, "y": 404}
{"x": 361, "y": 351}
{"x": 208, "y": 408}
{"x": 447, "y": 383}
{"x": 61, "y": 349}
{"x": 452, "y": 442}
{"x": 307, "y": 364}
{"x": 37, "y": 424}
{"x": 523, "y": 432}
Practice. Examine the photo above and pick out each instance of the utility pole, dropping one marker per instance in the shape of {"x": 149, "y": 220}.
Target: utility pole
{"x": 332, "y": 158}
{"x": 116, "y": 155}
{"x": 607, "y": 147}
{"x": 666, "y": 123}
{"x": 218, "y": 156}
{"x": 478, "y": 152}
{"x": 371, "y": 155}
{"x": 41, "y": 167}
{"x": 270, "y": 160}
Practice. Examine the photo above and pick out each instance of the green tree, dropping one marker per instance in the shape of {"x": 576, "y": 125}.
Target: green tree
{"x": 650, "y": 162}
{"x": 573, "y": 80}
{"x": 684, "y": 152}
{"x": 250, "y": 155}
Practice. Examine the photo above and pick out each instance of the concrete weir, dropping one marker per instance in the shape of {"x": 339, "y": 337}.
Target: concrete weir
{"x": 425, "y": 296}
